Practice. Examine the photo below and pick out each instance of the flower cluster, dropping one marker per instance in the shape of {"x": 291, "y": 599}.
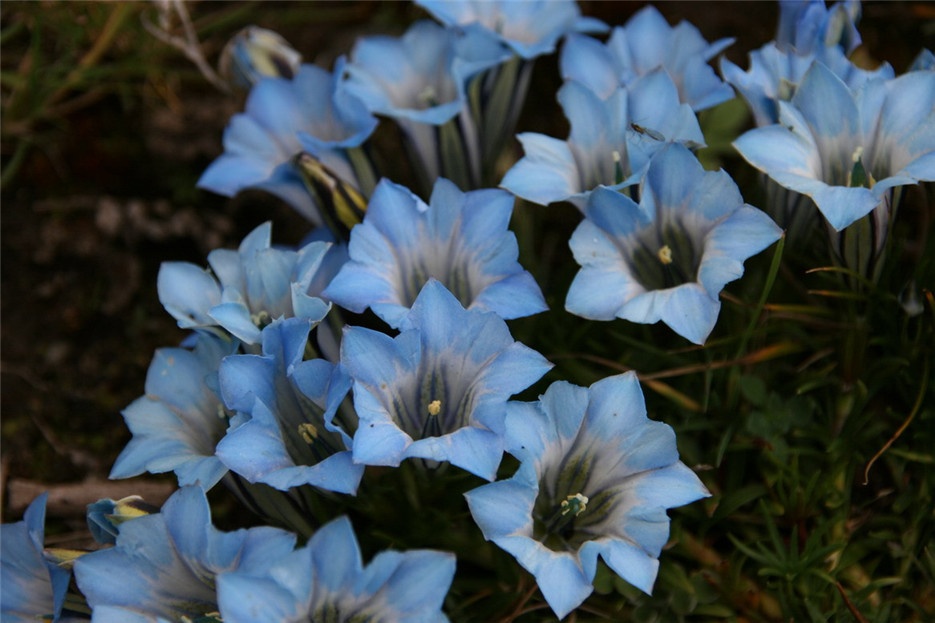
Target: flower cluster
{"x": 836, "y": 136}
{"x": 372, "y": 368}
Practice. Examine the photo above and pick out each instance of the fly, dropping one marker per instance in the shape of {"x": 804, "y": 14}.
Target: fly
{"x": 647, "y": 132}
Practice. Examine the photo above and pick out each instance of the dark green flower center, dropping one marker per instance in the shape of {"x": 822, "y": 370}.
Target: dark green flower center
{"x": 332, "y": 613}
{"x": 664, "y": 257}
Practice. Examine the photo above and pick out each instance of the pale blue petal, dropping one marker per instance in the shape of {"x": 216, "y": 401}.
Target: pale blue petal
{"x": 589, "y": 62}
{"x": 514, "y": 368}
{"x": 502, "y": 508}
{"x": 616, "y": 403}
{"x": 244, "y": 378}
{"x": 256, "y": 448}
{"x": 235, "y": 317}
{"x": 378, "y": 440}
{"x": 626, "y": 560}
{"x": 741, "y": 235}
{"x": 516, "y": 296}
{"x": 559, "y": 574}
{"x": 246, "y": 599}
{"x": 669, "y": 487}
{"x": 841, "y": 205}
{"x": 336, "y": 555}
{"x": 527, "y": 430}
{"x": 565, "y": 406}
{"x": 687, "y": 309}
{"x": 546, "y": 174}
{"x": 826, "y": 103}
{"x": 338, "y": 473}
{"x": 187, "y": 292}
{"x": 416, "y": 585}
{"x": 788, "y": 157}
{"x": 472, "y": 449}
{"x": 922, "y": 168}
{"x": 358, "y": 285}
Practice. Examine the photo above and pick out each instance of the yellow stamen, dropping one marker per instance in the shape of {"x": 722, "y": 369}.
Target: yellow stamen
{"x": 309, "y": 432}
{"x": 435, "y": 407}
{"x": 665, "y": 254}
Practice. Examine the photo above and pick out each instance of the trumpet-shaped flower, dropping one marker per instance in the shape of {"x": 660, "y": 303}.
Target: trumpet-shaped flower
{"x": 530, "y": 29}
{"x": 282, "y": 118}
{"x": 775, "y": 74}
{"x": 164, "y": 566}
{"x": 249, "y": 288}
{"x": 437, "y": 390}
{"x": 646, "y": 43}
{"x": 668, "y": 257}
{"x": 419, "y": 81}
{"x": 610, "y": 144}
{"x": 255, "y": 53}
{"x": 807, "y": 32}
{"x": 844, "y": 148}
{"x": 327, "y": 581}
{"x": 283, "y": 434}
{"x": 595, "y": 479}
{"x": 807, "y": 26}
{"x": 420, "y": 76}
{"x": 460, "y": 239}
{"x": 180, "y": 419}
{"x": 33, "y": 587}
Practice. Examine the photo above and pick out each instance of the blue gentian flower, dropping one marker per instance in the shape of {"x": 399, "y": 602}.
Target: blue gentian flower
{"x": 774, "y": 75}
{"x": 178, "y": 422}
{"x": 106, "y": 515}
{"x": 249, "y": 288}
{"x": 525, "y": 30}
{"x": 668, "y": 257}
{"x": 255, "y": 53}
{"x": 283, "y": 117}
{"x": 419, "y": 76}
{"x": 419, "y": 81}
{"x": 34, "y": 587}
{"x": 924, "y": 61}
{"x": 805, "y": 26}
{"x": 164, "y": 566}
{"x": 646, "y": 43}
{"x": 282, "y": 434}
{"x": 530, "y": 28}
{"x": 807, "y": 32}
{"x": 437, "y": 390}
{"x": 610, "y": 144}
{"x": 327, "y": 581}
{"x": 460, "y": 239}
{"x": 847, "y": 149}
{"x": 595, "y": 479}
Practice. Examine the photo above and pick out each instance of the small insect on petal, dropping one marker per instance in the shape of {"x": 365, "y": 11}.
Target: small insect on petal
{"x": 653, "y": 134}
